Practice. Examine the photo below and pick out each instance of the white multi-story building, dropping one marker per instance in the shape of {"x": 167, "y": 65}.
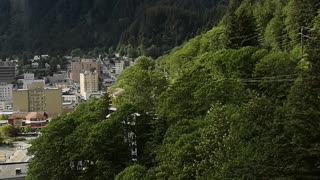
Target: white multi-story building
{"x": 71, "y": 98}
{"x": 28, "y": 79}
{"x": 89, "y": 83}
{"x": 119, "y": 67}
{"x": 6, "y": 92}
{"x": 5, "y": 105}
{"x": 28, "y": 76}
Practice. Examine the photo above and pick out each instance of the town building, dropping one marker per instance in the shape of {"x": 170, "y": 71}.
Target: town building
{"x": 61, "y": 85}
{"x": 80, "y": 67}
{"x": 28, "y": 80}
{"x": 5, "y": 106}
{"x": 89, "y": 83}
{"x": 7, "y": 72}
{"x": 37, "y": 120}
{"x": 36, "y": 58}
{"x": 70, "y": 102}
{"x": 37, "y": 98}
{"x": 71, "y": 98}
{"x": 35, "y": 65}
{"x": 28, "y": 76}
{"x": 57, "y": 78}
{"x": 45, "y": 56}
{"x": 16, "y": 119}
{"x": 119, "y": 67}
{"x": 6, "y": 92}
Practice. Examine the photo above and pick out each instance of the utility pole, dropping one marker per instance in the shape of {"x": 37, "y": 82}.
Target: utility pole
{"x": 302, "y": 43}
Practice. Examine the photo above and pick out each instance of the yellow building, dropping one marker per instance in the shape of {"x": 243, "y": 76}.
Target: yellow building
{"x": 53, "y": 101}
{"x": 89, "y": 83}
{"x": 21, "y": 100}
{"x": 37, "y": 98}
{"x": 61, "y": 85}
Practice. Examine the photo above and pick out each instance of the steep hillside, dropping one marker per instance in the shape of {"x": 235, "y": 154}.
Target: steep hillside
{"x": 46, "y": 26}
{"x": 240, "y": 101}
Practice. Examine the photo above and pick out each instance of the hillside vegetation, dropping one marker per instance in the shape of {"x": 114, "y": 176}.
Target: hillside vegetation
{"x": 155, "y": 26}
{"x": 240, "y": 101}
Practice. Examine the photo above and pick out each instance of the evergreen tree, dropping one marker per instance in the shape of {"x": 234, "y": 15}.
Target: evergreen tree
{"x": 241, "y": 28}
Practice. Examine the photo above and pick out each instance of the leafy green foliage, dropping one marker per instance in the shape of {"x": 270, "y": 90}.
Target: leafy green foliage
{"x": 135, "y": 172}
{"x": 241, "y": 27}
{"x": 143, "y": 84}
{"x": 277, "y": 70}
{"x": 299, "y": 13}
{"x": 28, "y": 129}
{"x": 8, "y": 131}
{"x": 69, "y": 139}
{"x": 4, "y": 117}
{"x": 236, "y": 102}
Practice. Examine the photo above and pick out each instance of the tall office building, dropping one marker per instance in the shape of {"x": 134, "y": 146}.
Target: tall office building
{"x": 36, "y": 99}
{"x": 80, "y": 67}
{"x": 6, "y": 92}
{"x": 7, "y": 72}
{"x": 89, "y": 83}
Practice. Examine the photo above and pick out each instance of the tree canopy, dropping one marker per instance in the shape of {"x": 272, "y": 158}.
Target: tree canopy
{"x": 240, "y": 101}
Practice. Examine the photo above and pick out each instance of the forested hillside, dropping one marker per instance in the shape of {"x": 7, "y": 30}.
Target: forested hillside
{"x": 240, "y": 101}
{"x": 45, "y": 26}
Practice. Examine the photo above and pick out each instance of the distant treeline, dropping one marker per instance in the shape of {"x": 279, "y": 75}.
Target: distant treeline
{"x": 44, "y": 26}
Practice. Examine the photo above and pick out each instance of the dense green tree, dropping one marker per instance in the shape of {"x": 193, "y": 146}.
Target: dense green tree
{"x": 236, "y": 102}
{"x": 69, "y": 155}
{"x": 273, "y": 30}
{"x": 5, "y": 130}
{"x": 241, "y": 28}
{"x": 51, "y": 153}
{"x": 77, "y": 52}
{"x": 175, "y": 158}
{"x": 303, "y": 116}
{"x": 111, "y": 51}
{"x": 4, "y": 117}
{"x": 276, "y": 72}
{"x": 135, "y": 172}
{"x": 131, "y": 52}
{"x": 28, "y": 129}
{"x": 66, "y": 25}
{"x": 9, "y": 131}
{"x": 142, "y": 83}
{"x": 299, "y": 13}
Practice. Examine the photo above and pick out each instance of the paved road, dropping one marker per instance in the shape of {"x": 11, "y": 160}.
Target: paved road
{"x": 107, "y": 70}
{"x": 8, "y": 171}
{"x": 20, "y": 155}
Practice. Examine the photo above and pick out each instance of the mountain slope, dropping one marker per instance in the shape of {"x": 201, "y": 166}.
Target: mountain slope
{"x": 46, "y": 26}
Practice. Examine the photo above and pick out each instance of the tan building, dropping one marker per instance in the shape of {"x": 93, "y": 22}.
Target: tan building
{"x": 21, "y": 100}
{"x": 89, "y": 83}
{"x": 80, "y": 67}
{"x": 37, "y": 98}
{"x": 53, "y": 101}
{"x": 61, "y": 85}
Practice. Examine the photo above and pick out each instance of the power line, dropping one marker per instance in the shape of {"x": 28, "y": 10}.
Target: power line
{"x": 267, "y": 79}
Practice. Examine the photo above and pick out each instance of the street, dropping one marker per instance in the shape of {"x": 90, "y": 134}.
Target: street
{"x": 17, "y": 155}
